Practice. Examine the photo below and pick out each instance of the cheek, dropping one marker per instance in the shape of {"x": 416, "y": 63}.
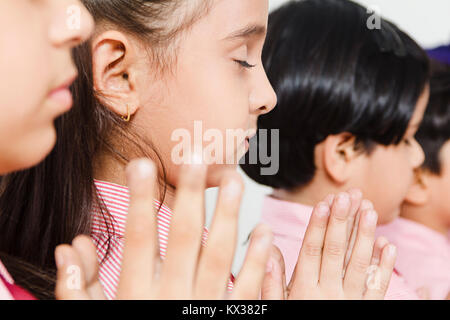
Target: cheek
{"x": 29, "y": 148}
{"x": 388, "y": 181}
{"x": 23, "y": 89}
{"x": 24, "y": 59}
{"x": 212, "y": 89}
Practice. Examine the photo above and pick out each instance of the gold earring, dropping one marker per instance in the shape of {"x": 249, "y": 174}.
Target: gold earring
{"x": 128, "y": 117}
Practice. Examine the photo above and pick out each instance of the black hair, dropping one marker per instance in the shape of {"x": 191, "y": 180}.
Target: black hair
{"x": 334, "y": 73}
{"x": 434, "y": 131}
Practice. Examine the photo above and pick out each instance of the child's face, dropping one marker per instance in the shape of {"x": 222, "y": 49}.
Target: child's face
{"x": 387, "y": 173}
{"x": 35, "y": 43}
{"x": 209, "y": 85}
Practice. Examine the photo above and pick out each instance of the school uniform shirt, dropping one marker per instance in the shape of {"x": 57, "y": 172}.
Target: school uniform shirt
{"x": 423, "y": 256}
{"x": 10, "y": 291}
{"x": 4, "y": 292}
{"x": 289, "y": 222}
{"x": 108, "y": 234}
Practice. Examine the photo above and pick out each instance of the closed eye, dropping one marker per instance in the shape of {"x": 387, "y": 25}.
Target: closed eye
{"x": 245, "y": 64}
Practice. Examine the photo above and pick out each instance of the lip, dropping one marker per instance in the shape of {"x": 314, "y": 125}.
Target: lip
{"x": 61, "y": 95}
{"x": 250, "y": 135}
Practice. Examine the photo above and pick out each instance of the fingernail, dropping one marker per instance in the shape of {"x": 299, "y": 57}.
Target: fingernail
{"x": 196, "y": 166}
{"x": 139, "y": 170}
{"x": 263, "y": 236}
{"x": 366, "y": 205}
{"x": 371, "y": 218}
{"x": 322, "y": 210}
{"x": 145, "y": 169}
{"x": 59, "y": 258}
{"x": 356, "y": 193}
{"x": 265, "y": 240}
{"x": 392, "y": 250}
{"x": 232, "y": 189}
{"x": 343, "y": 200}
{"x": 196, "y": 158}
{"x": 269, "y": 266}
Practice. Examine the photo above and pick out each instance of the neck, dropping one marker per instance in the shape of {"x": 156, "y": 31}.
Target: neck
{"x": 111, "y": 170}
{"x": 306, "y": 196}
{"x": 426, "y": 216}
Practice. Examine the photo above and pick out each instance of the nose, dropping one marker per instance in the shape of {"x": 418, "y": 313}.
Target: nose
{"x": 418, "y": 156}
{"x": 71, "y": 23}
{"x": 262, "y": 98}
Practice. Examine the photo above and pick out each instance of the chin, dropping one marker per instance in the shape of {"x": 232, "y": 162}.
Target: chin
{"x": 28, "y": 151}
{"x": 217, "y": 172}
{"x": 389, "y": 218}
{"x": 46, "y": 144}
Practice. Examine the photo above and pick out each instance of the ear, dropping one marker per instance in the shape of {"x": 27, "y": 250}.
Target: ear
{"x": 419, "y": 192}
{"x": 338, "y": 154}
{"x": 114, "y": 60}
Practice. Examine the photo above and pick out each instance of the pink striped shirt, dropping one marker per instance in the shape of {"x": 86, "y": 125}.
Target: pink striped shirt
{"x": 4, "y": 292}
{"x": 289, "y": 221}
{"x": 103, "y": 231}
{"x": 423, "y": 256}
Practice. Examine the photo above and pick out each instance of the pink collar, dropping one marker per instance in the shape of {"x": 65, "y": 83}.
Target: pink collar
{"x": 116, "y": 199}
{"x": 286, "y": 217}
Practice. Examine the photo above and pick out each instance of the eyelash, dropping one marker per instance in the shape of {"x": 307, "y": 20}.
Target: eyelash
{"x": 245, "y": 64}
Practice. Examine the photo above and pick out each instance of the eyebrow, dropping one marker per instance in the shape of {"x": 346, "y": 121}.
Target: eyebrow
{"x": 247, "y": 32}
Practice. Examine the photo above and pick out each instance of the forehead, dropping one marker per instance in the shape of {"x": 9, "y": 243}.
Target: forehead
{"x": 229, "y": 16}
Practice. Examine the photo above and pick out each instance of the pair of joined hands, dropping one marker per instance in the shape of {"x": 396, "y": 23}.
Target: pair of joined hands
{"x": 339, "y": 258}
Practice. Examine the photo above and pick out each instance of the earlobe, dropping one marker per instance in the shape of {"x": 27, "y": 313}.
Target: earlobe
{"x": 418, "y": 193}
{"x": 113, "y": 57}
{"x": 338, "y": 153}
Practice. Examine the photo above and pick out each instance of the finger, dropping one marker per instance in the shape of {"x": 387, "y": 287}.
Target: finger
{"x": 355, "y": 204}
{"x": 307, "y": 270}
{"x": 380, "y": 243}
{"x": 248, "y": 283}
{"x": 356, "y": 275}
{"x": 365, "y": 205}
{"x": 217, "y": 257}
{"x": 424, "y": 293}
{"x": 86, "y": 251}
{"x": 141, "y": 241}
{"x": 335, "y": 243}
{"x": 274, "y": 284}
{"x": 379, "y": 278}
{"x": 70, "y": 276}
{"x": 179, "y": 268}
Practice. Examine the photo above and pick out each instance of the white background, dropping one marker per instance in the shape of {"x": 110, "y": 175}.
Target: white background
{"x": 427, "y": 21}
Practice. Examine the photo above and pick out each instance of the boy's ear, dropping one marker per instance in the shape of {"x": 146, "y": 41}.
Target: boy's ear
{"x": 338, "y": 153}
{"x": 113, "y": 61}
{"x": 419, "y": 192}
